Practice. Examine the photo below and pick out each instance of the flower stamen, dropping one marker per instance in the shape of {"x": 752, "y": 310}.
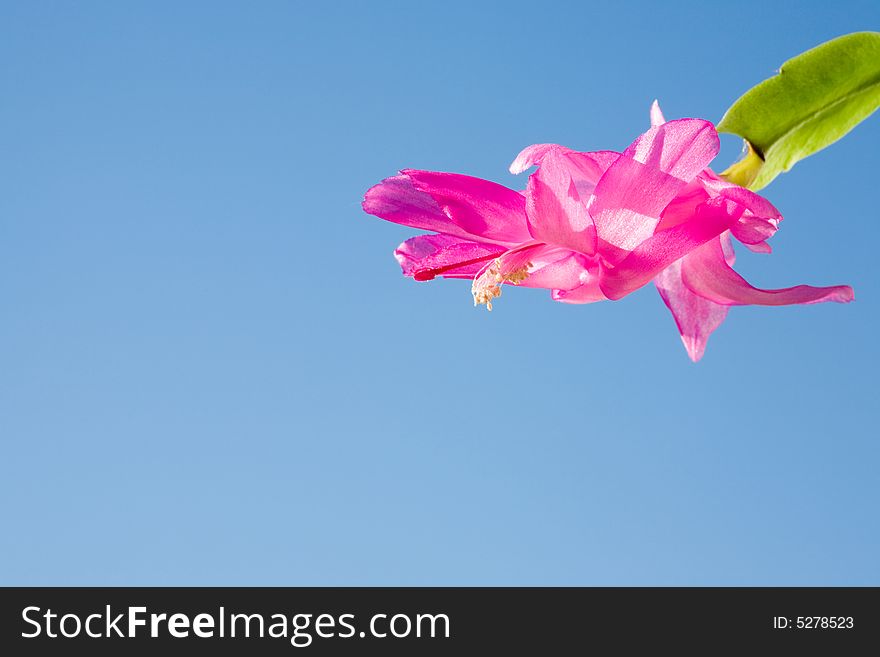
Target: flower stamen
{"x": 487, "y": 286}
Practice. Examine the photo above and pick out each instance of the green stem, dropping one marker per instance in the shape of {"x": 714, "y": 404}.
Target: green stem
{"x": 744, "y": 171}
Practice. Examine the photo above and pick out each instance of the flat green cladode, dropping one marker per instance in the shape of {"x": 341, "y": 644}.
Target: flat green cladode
{"x": 814, "y": 100}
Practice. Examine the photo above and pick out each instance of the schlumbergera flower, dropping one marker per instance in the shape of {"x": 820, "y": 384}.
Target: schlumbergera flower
{"x": 597, "y": 226}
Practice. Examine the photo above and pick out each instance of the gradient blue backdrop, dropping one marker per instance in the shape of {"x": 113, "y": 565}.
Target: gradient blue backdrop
{"x": 212, "y": 371}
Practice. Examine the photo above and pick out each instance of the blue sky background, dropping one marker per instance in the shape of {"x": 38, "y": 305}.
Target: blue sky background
{"x": 212, "y": 372}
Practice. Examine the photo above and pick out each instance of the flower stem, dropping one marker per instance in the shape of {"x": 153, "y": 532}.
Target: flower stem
{"x": 744, "y": 171}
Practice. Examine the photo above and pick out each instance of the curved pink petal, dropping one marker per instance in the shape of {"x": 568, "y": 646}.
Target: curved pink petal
{"x": 657, "y": 117}
{"x": 761, "y": 219}
{"x": 752, "y": 230}
{"x": 556, "y": 213}
{"x": 480, "y": 207}
{"x": 754, "y": 203}
{"x": 695, "y": 317}
{"x": 396, "y": 199}
{"x": 452, "y": 204}
{"x": 649, "y": 258}
{"x": 426, "y": 256}
{"x": 680, "y": 148}
{"x": 587, "y": 169}
{"x": 633, "y": 192}
{"x": 706, "y": 273}
{"x": 587, "y": 292}
{"x": 683, "y": 206}
{"x": 727, "y": 249}
{"x": 532, "y": 156}
{"x": 759, "y": 247}
{"x": 559, "y": 269}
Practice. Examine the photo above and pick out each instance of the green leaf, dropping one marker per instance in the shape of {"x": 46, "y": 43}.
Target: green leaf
{"x": 816, "y": 98}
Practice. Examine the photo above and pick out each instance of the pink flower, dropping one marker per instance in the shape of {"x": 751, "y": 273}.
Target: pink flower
{"x": 596, "y": 226}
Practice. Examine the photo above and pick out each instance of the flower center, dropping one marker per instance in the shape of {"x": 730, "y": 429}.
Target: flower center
{"x": 487, "y": 286}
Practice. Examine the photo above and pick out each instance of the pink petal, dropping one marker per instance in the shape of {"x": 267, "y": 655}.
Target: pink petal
{"x": 532, "y": 156}
{"x": 427, "y": 256}
{"x": 680, "y": 148}
{"x": 706, "y": 273}
{"x": 649, "y": 258}
{"x": 633, "y": 192}
{"x": 695, "y": 317}
{"x": 396, "y": 199}
{"x": 556, "y": 213}
{"x": 727, "y": 249}
{"x": 587, "y": 169}
{"x": 587, "y": 292}
{"x": 761, "y": 219}
{"x": 683, "y": 206}
{"x": 754, "y": 203}
{"x": 480, "y": 207}
{"x": 752, "y": 230}
{"x": 657, "y": 117}
{"x": 451, "y": 203}
{"x": 558, "y": 269}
